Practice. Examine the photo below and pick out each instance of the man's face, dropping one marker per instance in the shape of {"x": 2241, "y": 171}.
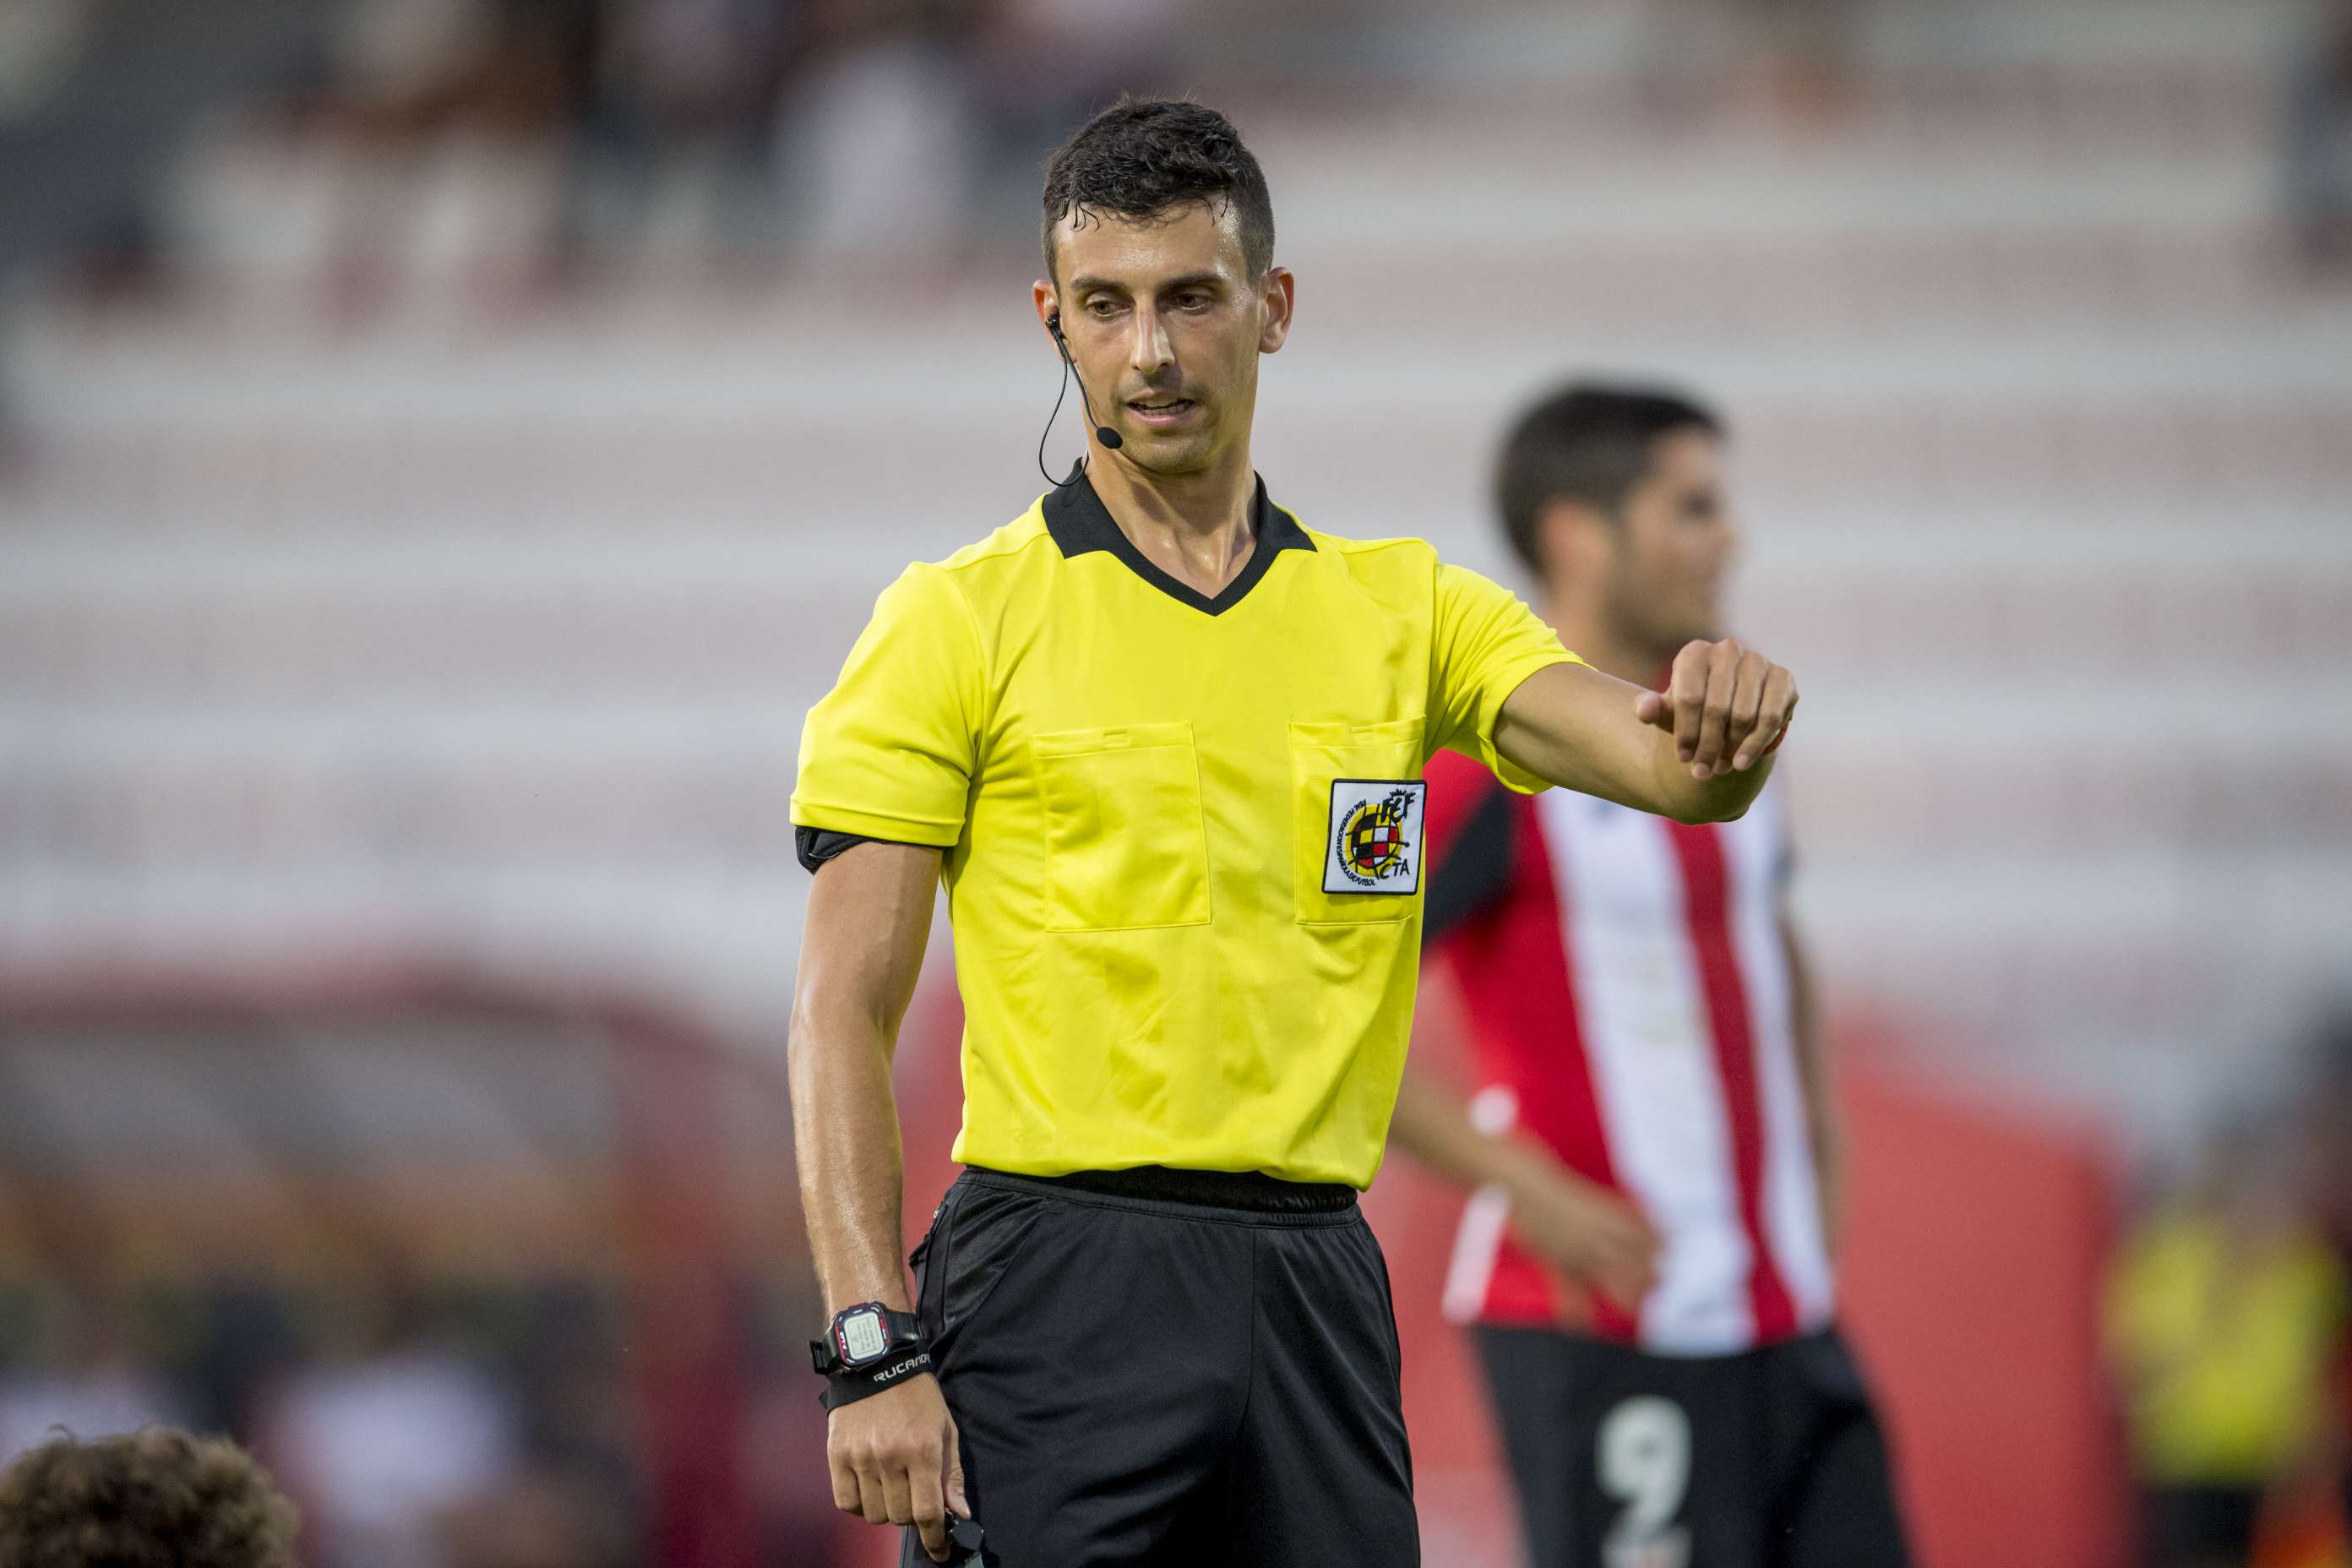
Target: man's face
{"x": 1674, "y": 545}
{"x": 1165, "y": 324}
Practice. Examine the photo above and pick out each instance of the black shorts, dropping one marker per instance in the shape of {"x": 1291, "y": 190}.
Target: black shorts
{"x": 1142, "y": 1380}
{"x": 1771, "y": 1458}
{"x": 2189, "y": 1525}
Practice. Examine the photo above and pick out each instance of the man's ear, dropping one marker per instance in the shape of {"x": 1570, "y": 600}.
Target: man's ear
{"x": 1574, "y": 540}
{"x": 1280, "y": 294}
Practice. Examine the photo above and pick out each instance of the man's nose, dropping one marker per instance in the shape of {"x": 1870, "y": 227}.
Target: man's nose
{"x": 1148, "y": 350}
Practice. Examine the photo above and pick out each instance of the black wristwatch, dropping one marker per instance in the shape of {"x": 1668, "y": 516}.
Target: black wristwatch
{"x": 868, "y": 1350}
{"x": 864, "y": 1335}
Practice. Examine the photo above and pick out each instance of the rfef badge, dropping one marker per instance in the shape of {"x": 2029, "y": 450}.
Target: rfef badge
{"x": 1373, "y": 842}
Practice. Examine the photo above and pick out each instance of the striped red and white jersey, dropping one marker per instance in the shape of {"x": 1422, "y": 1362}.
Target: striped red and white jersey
{"x": 1628, "y": 989}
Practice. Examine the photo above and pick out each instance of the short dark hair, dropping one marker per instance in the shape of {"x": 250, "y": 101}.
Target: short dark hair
{"x": 156, "y": 1499}
{"x": 1587, "y": 443}
{"x": 1143, "y": 156}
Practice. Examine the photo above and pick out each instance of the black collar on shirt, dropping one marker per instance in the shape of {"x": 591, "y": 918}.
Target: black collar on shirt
{"x": 1079, "y": 523}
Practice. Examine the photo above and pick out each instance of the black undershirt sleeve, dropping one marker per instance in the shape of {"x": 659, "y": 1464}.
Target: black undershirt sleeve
{"x": 1474, "y": 873}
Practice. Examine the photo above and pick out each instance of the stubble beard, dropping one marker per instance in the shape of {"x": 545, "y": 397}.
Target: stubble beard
{"x": 1636, "y": 626}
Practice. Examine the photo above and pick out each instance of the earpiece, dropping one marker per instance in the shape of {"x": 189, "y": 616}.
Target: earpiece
{"x": 1103, "y": 433}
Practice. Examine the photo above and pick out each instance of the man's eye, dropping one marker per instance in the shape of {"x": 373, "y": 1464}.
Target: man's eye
{"x": 1102, "y": 309}
{"x": 1191, "y": 302}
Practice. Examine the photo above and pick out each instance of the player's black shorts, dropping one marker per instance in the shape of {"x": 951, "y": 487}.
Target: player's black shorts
{"x": 1771, "y": 1458}
{"x": 1209, "y": 1378}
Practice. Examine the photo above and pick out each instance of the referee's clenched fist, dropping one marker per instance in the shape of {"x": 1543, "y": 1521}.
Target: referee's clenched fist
{"x": 1725, "y": 705}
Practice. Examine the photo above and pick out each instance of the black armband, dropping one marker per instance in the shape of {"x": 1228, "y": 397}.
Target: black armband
{"x": 816, "y": 846}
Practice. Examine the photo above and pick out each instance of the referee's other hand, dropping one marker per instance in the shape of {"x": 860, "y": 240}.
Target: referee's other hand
{"x": 895, "y": 1459}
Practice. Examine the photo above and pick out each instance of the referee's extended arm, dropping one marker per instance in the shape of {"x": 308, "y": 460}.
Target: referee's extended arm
{"x": 894, "y": 1456}
{"x": 1698, "y": 752}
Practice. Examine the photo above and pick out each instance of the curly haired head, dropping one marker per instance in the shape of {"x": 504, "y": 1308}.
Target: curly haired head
{"x": 1143, "y": 156}
{"x": 157, "y": 1498}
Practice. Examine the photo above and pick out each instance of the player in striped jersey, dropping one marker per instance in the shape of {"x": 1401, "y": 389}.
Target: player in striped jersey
{"x": 1646, "y": 1252}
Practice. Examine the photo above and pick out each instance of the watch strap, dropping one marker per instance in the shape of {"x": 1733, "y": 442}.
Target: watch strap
{"x": 848, "y": 1388}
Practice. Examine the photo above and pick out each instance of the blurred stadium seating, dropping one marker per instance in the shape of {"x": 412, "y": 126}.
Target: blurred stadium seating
{"x": 488, "y": 1272}
{"x": 376, "y": 580}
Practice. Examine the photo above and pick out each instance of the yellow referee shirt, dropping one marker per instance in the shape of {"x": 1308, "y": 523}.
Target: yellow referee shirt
{"x": 1184, "y": 833}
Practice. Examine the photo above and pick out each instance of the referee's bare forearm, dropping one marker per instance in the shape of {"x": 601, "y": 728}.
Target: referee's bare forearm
{"x": 1698, "y": 752}
{"x": 869, "y": 915}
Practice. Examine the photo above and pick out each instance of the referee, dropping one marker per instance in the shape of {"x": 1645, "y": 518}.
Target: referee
{"x": 1163, "y": 745}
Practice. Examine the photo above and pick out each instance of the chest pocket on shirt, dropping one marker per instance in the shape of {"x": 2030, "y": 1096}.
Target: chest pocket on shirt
{"x": 1125, "y": 844}
{"x": 1369, "y": 755}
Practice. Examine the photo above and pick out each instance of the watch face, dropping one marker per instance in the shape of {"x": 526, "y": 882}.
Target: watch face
{"x": 862, "y": 1338}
